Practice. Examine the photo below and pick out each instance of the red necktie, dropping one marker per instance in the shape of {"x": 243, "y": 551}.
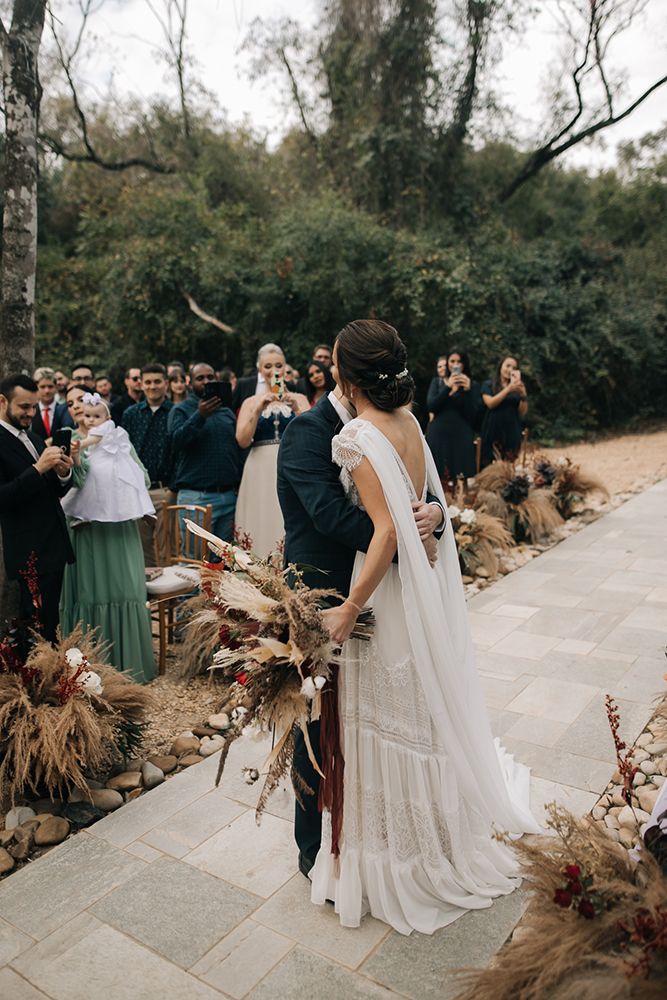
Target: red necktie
{"x": 46, "y": 422}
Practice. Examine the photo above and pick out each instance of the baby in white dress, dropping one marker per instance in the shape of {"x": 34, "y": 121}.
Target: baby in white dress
{"x": 114, "y": 489}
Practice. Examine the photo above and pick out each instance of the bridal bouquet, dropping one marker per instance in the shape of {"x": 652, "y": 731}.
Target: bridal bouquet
{"x": 274, "y": 644}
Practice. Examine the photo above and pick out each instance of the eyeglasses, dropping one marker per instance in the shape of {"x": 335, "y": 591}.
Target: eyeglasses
{"x": 135, "y": 378}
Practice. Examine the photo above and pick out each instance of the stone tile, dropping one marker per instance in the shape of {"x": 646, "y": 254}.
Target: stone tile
{"x": 33, "y": 962}
{"x": 612, "y": 655}
{"x": 257, "y": 858}
{"x": 526, "y": 644}
{"x": 242, "y": 959}
{"x": 501, "y": 721}
{"x": 572, "y": 586}
{"x": 13, "y": 987}
{"x": 611, "y": 599}
{"x": 641, "y": 642}
{"x": 419, "y": 966}
{"x": 498, "y": 693}
{"x": 488, "y": 600}
{"x": 642, "y": 681}
{"x": 290, "y": 912}
{"x": 109, "y": 966}
{"x": 176, "y": 910}
{"x": 647, "y": 616}
{"x": 530, "y": 729}
{"x": 280, "y": 802}
{"x": 502, "y": 666}
{"x": 143, "y": 851}
{"x": 543, "y": 793}
{"x": 12, "y": 942}
{"x": 522, "y": 611}
{"x": 244, "y": 752}
{"x": 303, "y": 975}
{"x": 52, "y": 890}
{"x": 135, "y": 819}
{"x": 550, "y": 699}
{"x": 186, "y": 829}
{"x": 549, "y": 600}
{"x": 658, "y": 594}
{"x": 587, "y": 773}
{"x": 572, "y": 623}
{"x": 648, "y": 566}
{"x": 590, "y": 736}
{"x": 572, "y": 668}
{"x": 488, "y": 629}
{"x": 520, "y": 750}
{"x": 575, "y": 646}
{"x": 520, "y": 580}
{"x": 636, "y": 579}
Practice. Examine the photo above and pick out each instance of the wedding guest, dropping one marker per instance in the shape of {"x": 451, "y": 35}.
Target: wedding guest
{"x": 83, "y": 375}
{"x": 506, "y": 401}
{"x": 257, "y": 383}
{"x": 104, "y": 388}
{"x": 207, "y": 460}
{"x": 62, "y": 383}
{"x": 50, "y": 415}
{"x": 105, "y": 589}
{"x": 177, "y": 386}
{"x": 133, "y": 394}
{"x": 33, "y": 478}
{"x": 453, "y": 398}
{"x": 147, "y": 425}
{"x": 323, "y": 353}
{"x": 319, "y": 381}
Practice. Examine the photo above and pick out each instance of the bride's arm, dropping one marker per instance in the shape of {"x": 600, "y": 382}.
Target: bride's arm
{"x": 381, "y": 551}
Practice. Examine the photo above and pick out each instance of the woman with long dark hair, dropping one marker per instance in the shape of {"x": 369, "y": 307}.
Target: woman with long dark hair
{"x": 506, "y": 401}
{"x": 319, "y": 381}
{"x": 425, "y": 787}
{"x": 453, "y": 399}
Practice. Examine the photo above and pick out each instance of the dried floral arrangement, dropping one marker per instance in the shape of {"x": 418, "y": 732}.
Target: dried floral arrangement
{"x": 477, "y": 532}
{"x": 595, "y": 926}
{"x": 275, "y": 645}
{"x": 569, "y": 485}
{"x": 62, "y": 710}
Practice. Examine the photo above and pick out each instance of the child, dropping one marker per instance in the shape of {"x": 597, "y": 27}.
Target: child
{"x": 114, "y": 489}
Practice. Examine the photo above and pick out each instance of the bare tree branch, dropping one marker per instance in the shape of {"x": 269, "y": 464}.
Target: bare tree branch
{"x": 282, "y": 55}
{"x": 175, "y": 39}
{"x": 198, "y": 311}
{"x": 90, "y": 156}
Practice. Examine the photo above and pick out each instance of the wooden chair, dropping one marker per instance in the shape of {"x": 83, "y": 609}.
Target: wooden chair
{"x": 478, "y": 451}
{"x": 524, "y": 447}
{"x": 181, "y": 574}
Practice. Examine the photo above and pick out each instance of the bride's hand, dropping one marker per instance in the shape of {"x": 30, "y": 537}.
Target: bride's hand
{"x": 340, "y": 621}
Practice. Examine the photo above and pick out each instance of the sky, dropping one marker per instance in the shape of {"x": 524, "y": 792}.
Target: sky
{"x": 217, "y": 28}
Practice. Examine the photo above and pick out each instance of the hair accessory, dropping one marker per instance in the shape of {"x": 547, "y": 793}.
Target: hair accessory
{"x": 94, "y": 399}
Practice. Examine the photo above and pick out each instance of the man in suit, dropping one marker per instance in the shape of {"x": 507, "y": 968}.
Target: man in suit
{"x": 33, "y": 478}
{"x": 323, "y": 529}
{"x": 50, "y": 415}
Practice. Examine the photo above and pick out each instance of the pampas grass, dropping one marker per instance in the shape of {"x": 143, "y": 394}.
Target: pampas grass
{"x": 46, "y": 743}
{"x": 201, "y": 642}
{"x": 495, "y": 476}
{"x": 537, "y": 514}
{"x": 477, "y": 540}
{"x": 556, "y": 953}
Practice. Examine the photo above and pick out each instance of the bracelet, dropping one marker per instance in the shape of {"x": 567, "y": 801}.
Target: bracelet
{"x": 348, "y": 601}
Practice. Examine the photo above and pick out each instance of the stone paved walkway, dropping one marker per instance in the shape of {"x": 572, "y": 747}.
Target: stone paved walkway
{"x": 180, "y": 895}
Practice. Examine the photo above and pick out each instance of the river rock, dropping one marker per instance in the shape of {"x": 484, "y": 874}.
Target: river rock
{"x": 631, "y": 819}
{"x": 201, "y": 731}
{"x": 190, "y": 759}
{"x": 614, "y": 835}
{"x": 626, "y": 837}
{"x": 125, "y": 782}
{"x": 639, "y": 755}
{"x": 209, "y": 747}
{"x": 639, "y": 779}
{"x": 25, "y": 840}
{"x": 77, "y": 795}
{"x": 615, "y": 810}
{"x": 94, "y": 783}
{"x": 647, "y": 798}
{"x": 658, "y": 780}
{"x": 52, "y": 806}
{"x": 134, "y": 765}
{"x": 17, "y": 816}
{"x": 107, "y": 799}
{"x": 617, "y": 798}
{"x": 134, "y": 794}
{"x": 151, "y": 774}
{"x": 611, "y": 822}
{"x": 466, "y": 579}
{"x": 167, "y": 762}
{"x": 184, "y": 745}
{"x": 6, "y": 861}
{"x": 6, "y": 837}
{"x": 656, "y": 749}
{"x": 219, "y": 721}
{"x": 649, "y": 767}
{"x": 662, "y": 766}
{"x": 82, "y": 813}
{"x": 27, "y": 828}
{"x": 643, "y": 739}
{"x": 52, "y": 831}
{"x": 599, "y": 812}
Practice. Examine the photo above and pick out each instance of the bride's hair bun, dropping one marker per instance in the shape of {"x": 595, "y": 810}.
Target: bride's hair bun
{"x": 371, "y": 355}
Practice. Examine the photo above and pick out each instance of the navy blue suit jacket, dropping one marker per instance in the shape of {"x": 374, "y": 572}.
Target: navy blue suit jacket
{"x": 61, "y": 418}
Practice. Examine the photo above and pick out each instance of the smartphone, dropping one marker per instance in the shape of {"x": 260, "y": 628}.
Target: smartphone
{"x": 516, "y": 375}
{"x": 278, "y": 385}
{"x": 221, "y": 390}
{"x": 457, "y": 369}
{"x": 62, "y": 438}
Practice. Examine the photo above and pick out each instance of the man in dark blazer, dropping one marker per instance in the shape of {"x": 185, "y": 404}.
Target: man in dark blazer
{"x": 50, "y": 416}
{"x": 33, "y": 478}
{"x": 323, "y": 530}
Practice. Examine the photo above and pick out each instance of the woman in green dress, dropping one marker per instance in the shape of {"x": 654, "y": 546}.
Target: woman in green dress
{"x": 105, "y": 588}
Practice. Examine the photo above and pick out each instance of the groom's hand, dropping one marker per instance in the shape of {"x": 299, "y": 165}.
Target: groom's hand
{"x": 431, "y": 546}
{"x": 428, "y": 517}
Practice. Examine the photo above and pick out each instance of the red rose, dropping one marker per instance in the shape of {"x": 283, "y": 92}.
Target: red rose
{"x": 562, "y": 897}
{"x": 586, "y": 909}
{"x": 574, "y": 888}
{"x": 572, "y": 872}
{"x": 242, "y": 678}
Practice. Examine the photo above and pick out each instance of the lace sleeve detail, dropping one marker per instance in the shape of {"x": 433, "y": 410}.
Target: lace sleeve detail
{"x": 345, "y": 451}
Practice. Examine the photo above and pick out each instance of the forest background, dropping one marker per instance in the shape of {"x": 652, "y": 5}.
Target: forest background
{"x": 402, "y": 194}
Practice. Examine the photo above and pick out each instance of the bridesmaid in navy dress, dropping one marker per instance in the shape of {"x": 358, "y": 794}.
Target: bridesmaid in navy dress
{"x": 506, "y": 401}
{"x": 453, "y": 399}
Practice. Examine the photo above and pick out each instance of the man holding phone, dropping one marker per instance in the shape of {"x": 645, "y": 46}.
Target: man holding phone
{"x": 207, "y": 459}
{"x": 33, "y": 478}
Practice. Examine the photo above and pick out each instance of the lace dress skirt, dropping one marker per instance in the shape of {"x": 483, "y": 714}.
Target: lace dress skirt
{"x": 415, "y": 853}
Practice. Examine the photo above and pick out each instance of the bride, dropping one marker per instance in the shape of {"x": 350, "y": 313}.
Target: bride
{"x": 425, "y": 786}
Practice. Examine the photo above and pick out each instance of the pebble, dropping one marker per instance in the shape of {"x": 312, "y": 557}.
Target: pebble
{"x": 82, "y": 813}
{"x": 626, "y": 837}
{"x": 21, "y": 850}
{"x": 611, "y": 822}
{"x": 184, "y": 745}
{"x": 6, "y": 861}
{"x": 639, "y": 779}
{"x": 644, "y": 739}
{"x": 190, "y": 759}
{"x": 52, "y": 806}
{"x": 125, "y": 782}
{"x": 648, "y": 798}
{"x": 617, "y": 798}
{"x": 17, "y": 816}
{"x": 209, "y": 747}
{"x": 599, "y": 812}
{"x": 52, "y": 831}
{"x": 656, "y": 749}
{"x": 466, "y": 579}
{"x": 640, "y": 755}
{"x": 92, "y": 783}
{"x": 201, "y": 731}
{"x": 107, "y": 799}
{"x": 167, "y": 763}
{"x": 648, "y": 767}
{"x": 134, "y": 794}
{"x": 134, "y": 765}
{"x": 614, "y": 835}
{"x": 219, "y": 721}
{"x": 630, "y": 819}
{"x": 481, "y": 571}
{"x": 658, "y": 780}
{"x": 6, "y": 837}
{"x": 151, "y": 774}
{"x": 615, "y": 810}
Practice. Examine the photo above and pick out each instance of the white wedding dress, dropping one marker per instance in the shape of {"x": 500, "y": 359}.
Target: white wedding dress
{"x": 426, "y": 785}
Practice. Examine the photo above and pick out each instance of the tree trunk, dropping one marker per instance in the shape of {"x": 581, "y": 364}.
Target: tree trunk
{"x": 22, "y": 92}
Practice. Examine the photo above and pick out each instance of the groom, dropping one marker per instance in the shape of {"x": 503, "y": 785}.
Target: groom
{"x": 324, "y": 530}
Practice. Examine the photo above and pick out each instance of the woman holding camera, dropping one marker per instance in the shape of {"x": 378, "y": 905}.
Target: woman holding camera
{"x": 453, "y": 399}
{"x": 506, "y": 401}
{"x": 262, "y": 420}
